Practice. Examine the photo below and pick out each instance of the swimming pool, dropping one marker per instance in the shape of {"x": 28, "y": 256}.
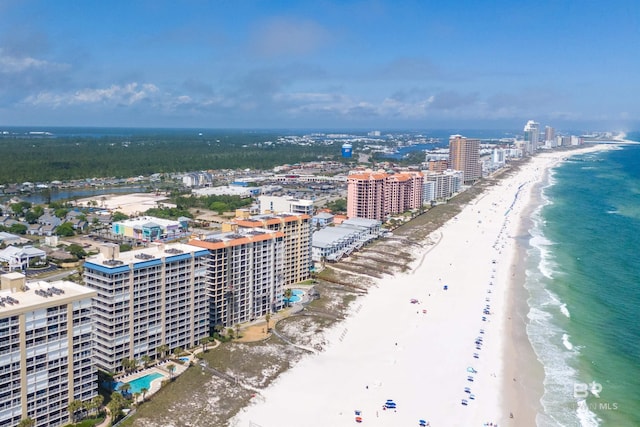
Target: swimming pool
{"x": 184, "y": 359}
{"x": 139, "y": 383}
{"x": 296, "y": 295}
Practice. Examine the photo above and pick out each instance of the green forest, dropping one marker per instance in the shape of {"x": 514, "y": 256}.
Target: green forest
{"x": 65, "y": 158}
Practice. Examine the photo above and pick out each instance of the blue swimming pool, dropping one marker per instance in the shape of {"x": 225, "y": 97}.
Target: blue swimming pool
{"x": 139, "y": 383}
{"x": 296, "y": 295}
{"x": 184, "y": 359}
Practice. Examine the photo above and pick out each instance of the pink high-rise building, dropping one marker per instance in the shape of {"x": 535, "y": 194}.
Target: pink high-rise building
{"x": 375, "y": 195}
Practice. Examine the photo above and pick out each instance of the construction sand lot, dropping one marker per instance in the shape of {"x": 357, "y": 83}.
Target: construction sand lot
{"x": 128, "y": 204}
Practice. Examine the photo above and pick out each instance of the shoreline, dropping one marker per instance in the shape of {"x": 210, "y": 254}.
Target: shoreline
{"x": 391, "y": 348}
{"x": 523, "y": 385}
{"x": 521, "y": 396}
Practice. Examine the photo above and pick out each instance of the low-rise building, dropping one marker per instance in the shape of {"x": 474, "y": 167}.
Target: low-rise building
{"x": 150, "y": 228}
{"x": 321, "y": 220}
{"x": 333, "y": 243}
{"x": 19, "y": 257}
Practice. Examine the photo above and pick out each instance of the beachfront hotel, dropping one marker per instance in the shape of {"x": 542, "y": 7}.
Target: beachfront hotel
{"x": 244, "y": 273}
{"x": 296, "y": 228}
{"x": 464, "y": 155}
{"x": 376, "y": 195}
{"x": 441, "y": 186}
{"x": 45, "y": 350}
{"x": 531, "y": 137}
{"x": 145, "y": 299}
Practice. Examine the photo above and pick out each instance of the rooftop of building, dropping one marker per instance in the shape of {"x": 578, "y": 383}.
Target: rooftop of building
{"x": 329, "y": 236}
{"x": 148, "y": 221}
{"x": 362, "y": 222}
{"x": 234, "y": 238}
{"x": 17, "y": 295}
{"x": 268, "y": 219}
{"x": 111, "y": 258}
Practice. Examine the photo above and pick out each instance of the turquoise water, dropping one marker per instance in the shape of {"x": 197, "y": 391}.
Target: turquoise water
{"x": 143, "y": 382}
{"x": 582, "y": 274}
{"x": 296, "y": 295}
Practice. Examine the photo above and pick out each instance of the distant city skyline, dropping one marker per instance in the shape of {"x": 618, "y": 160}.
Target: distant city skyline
{"x": 321, "y": 64}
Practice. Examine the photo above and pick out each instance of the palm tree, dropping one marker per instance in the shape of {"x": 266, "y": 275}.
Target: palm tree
{"x": 288, "y": 293}
{"x": 203, "y": 342}
{"x": 217, "y": 329}
{"x": 177, "y": 351}
{"x": 171, "y": 368}
{"x": 124, "y": 388}
{"x": 27, "y": 422}
{"x": 146, "y": 360}
{"x": 73, "y": 407}
{"x": 162, "y": 350}
{"x": 267, "y": 318}
{"x": 136, "y": 396}
{"x": 97, "y": 402}
{"x": 126, "y": 364}
{"x": 144, "y": 391}
{"x": 87, "y": 406}
{"x": 116, "y": 404}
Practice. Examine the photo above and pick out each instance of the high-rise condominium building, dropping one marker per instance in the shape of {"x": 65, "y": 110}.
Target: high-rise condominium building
{"x": 376, "y": 195}
{"x": 403, "y": 192}
{"x": 245, "y": 273}
{"x": 531, "y": 136}
{"x": 296, "y": 228}
{"x": 464, "y": 155}
{"x": 45, "y": 350}
{"x": 145, "y": 299}
{"x": 366, "y": 195}
{"x": 549, "y": 133}
{"x": 441, "y": 186}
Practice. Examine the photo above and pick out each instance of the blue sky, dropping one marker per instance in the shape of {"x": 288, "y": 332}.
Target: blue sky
{"x": 320, "y": 64}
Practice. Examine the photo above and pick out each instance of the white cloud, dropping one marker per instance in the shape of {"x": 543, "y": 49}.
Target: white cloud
{"x": 128, "y": 94}
{"x": 10, "y": 64}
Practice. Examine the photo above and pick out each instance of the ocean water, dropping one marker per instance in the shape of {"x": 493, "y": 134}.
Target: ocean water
{"x": 583, "y": 276}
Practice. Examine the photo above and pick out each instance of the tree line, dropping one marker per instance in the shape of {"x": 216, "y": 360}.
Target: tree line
{"x": 65, "y": 158}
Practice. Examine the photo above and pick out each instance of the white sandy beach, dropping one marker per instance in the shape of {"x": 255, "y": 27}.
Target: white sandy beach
{"x": 388, "y": 348}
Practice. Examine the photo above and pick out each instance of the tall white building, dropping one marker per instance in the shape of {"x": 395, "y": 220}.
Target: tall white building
{"x": 442, "y": 185}
{"x": 45, "y": 350}
{"x": 498, "y": 157}
{"x": 147, "y": 298}
{"x": 531, "y": 136}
